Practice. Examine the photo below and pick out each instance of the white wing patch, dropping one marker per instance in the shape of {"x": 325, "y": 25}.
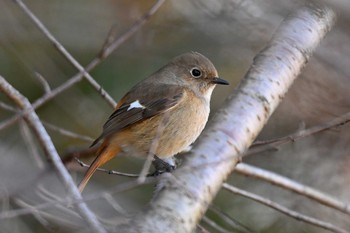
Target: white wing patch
{"x": 135, "y": 104}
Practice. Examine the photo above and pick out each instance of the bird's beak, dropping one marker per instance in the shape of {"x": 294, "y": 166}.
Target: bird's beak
{"x": 220, "y": 81}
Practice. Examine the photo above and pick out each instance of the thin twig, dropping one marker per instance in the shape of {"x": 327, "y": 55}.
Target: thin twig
{"x": 336, "y": 122}
{"x": 29, "y": 142}
{"x": 67, "y": 133}
{"x": 114, "y": 204}
{"x": 298, "y": 216}
{"x": 80, "y": 153}
{"x": 50, "y": 151}
{"x": 7, "y": 107}
{"x": 110, "y": 47}
{"x": 81, "y": 163}
{"x": 292, "y": 185}
{"x": 152, "y": 151}
{"x": 237, "y": 226}
{"x": 43, "y": 82}
{"x": 202, "y": 229}
{"x": 214, "y": 225}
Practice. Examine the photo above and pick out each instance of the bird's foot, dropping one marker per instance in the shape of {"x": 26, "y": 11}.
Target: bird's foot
{"x": 162, "y": 166}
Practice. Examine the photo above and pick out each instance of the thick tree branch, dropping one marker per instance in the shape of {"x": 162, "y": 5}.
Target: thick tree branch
{"x": 180, "y": 205}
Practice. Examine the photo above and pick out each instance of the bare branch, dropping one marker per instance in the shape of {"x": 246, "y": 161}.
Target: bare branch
{"x": 284, "y": 210}
{"x": 237, "y": 226}
{"x": 29, "y": 142}
{"x": 67, "y": 132}
{"x": 202, "y": 229}
{"x": 79, "y": 153}
{"x": 336, "y": 122}
{"x": 214, "y": 225}
{"x": 81, "y": 163}
{"x": 111, "y": 45}
{"x": 113, "y": 203}
{"x": 43, "y": 82}
{"x": 148, "y": 162}
{"x": 7, "y": 107}
{"x": 50, "y": 151}
{"x": 179, "y": 206}
{"x": 292, "y": 185}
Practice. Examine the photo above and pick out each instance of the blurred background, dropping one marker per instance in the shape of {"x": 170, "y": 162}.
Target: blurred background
{"x": 230, "y": 33}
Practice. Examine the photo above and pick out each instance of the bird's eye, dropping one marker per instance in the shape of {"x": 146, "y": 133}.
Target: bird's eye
{"x": 196, "y": 72}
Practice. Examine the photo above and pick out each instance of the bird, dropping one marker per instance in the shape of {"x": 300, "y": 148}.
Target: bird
{"x": 171, "y": 106}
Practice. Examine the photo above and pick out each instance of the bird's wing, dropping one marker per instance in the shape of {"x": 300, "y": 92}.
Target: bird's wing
{"x": 140, "y": 104}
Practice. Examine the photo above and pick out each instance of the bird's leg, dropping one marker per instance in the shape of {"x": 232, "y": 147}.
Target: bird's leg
{"x": 161, "y": 166}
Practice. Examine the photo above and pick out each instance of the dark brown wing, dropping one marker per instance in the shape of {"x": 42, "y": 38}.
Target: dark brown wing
{"x": 149, "y": 102}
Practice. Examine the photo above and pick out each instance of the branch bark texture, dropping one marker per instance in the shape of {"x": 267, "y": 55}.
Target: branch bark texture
{"x": 188, "y": 191}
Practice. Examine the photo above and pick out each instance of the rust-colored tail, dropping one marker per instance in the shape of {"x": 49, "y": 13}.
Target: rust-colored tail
{"x": 105, "y": 153}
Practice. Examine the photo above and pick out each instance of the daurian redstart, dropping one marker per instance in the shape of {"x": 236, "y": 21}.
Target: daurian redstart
{"x": 177, "y": 96}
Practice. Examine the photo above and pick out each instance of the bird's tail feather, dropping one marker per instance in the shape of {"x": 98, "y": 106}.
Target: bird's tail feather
{"x": 105, "y": 153}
